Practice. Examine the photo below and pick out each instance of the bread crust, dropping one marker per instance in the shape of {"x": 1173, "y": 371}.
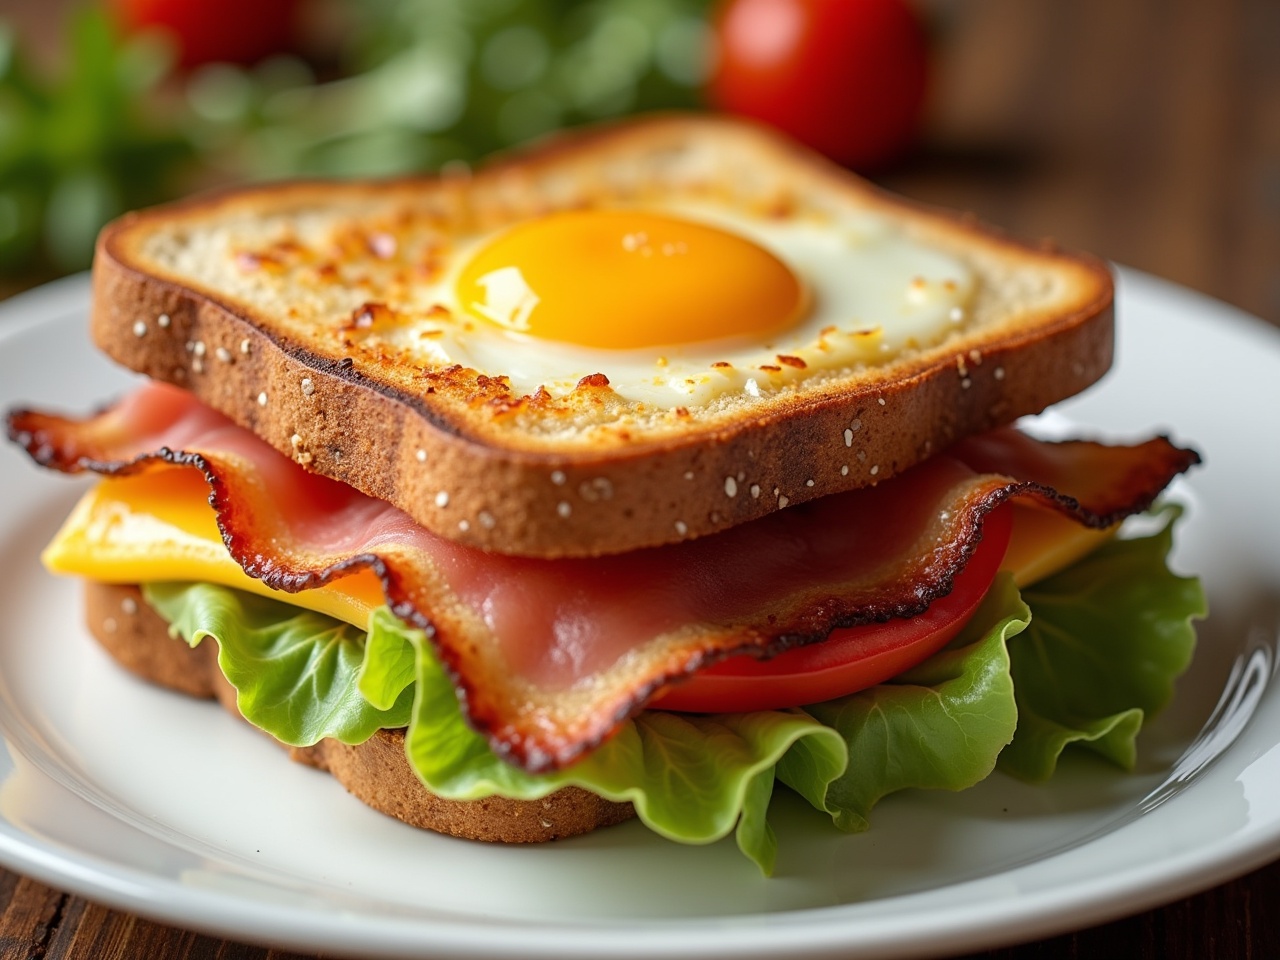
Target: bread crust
{"x": 438, "y": 452}
{"x": 375, "y": 772}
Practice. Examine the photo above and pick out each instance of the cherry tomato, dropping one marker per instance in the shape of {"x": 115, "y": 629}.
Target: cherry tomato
{"x": 846, "y": 77}
{"x": 238, "y": 31}
{"x": 852, "y": 659}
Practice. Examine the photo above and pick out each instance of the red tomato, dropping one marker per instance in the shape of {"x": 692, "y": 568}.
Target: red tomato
{"x": 846, "y": 77}
{"x": 238, "y": 31}
{"x": 852, "y": 659}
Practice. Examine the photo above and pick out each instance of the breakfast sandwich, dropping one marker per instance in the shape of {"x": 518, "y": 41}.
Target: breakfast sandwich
{"x": 628, "y": 476}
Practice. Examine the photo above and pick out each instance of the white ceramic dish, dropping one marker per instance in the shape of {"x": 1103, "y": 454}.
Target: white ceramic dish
{"x": 165, "y": 807}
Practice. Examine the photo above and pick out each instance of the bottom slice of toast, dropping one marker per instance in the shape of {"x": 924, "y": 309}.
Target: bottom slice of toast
{"x": 376, "y": 771}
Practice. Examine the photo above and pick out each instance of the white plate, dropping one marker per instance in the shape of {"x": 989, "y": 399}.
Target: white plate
{"x": 163, "y": 806}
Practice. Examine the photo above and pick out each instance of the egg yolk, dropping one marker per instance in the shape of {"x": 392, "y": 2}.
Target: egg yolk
{"x": 622, "y": 280}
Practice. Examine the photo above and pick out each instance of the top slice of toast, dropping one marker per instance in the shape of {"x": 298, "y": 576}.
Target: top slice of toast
{"x": 319, "y": 316}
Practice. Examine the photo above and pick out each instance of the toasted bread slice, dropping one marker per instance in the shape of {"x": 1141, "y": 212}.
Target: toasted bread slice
{"x": 301, "y": 311}
{"x": 375, "y": 772}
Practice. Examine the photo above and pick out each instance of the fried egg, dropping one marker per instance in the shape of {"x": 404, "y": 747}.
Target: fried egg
{"x": 681, "y": 304}
{"x": 677, "y": 301}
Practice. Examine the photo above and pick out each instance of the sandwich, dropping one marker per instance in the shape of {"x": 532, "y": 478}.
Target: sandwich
{"x": 634, "y": 475}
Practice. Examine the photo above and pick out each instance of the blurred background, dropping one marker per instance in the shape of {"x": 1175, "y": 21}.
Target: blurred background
{"x": 1146, "y": 131}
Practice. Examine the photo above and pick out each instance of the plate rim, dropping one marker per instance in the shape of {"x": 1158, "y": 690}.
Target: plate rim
{"x": 814, "y": 931}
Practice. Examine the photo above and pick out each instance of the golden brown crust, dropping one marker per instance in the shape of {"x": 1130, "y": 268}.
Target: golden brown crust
{"x": 375, "y": 772}
{"x": 435, "y": 447}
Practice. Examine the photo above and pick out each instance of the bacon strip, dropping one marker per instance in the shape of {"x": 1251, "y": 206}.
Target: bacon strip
{"x": 549, "y": 656}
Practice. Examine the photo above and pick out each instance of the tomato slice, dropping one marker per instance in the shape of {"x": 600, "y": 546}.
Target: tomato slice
{"x": 851, "y": 659}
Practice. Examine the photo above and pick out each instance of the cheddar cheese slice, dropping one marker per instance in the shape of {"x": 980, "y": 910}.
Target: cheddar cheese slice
{"x": 158, "y": 526}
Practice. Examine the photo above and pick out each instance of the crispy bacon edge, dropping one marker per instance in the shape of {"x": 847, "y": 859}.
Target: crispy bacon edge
{"x": 68, "y": 446}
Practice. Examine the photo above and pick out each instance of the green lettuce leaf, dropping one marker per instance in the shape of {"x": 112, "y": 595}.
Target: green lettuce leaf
{"x": 939, "y": 726}
{"x": 1109, "y": 636}
{"x": 303, "y": 676}
{"x": 390, "y": 662}
{"x": 294, "y": 671}
{"x": 691, "y": 778}
{"x": 1084, "y": 659}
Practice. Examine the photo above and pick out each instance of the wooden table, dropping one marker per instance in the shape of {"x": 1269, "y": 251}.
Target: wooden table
{"x": 1147, "y": 131}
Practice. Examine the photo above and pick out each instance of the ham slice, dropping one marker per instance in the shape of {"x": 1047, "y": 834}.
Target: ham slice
{"x": 549, "y": 656}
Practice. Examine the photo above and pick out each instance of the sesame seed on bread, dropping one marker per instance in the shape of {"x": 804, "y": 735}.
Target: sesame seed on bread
{"x": 375, "y": 772}
{"x": 280, "y": 306}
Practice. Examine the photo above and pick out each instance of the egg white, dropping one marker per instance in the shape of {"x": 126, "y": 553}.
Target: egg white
{"x": 874, "y": 293}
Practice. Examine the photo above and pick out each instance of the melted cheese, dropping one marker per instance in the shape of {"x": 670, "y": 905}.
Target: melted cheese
{"x": 158, "y": 526}
{"x": 1045, "y": 541}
